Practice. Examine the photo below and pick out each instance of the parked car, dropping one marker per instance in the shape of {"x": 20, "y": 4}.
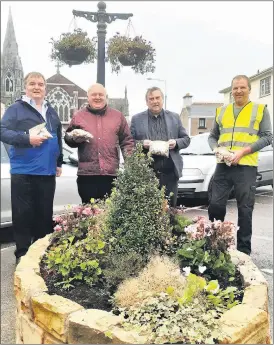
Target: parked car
{"x": 200, "y": 163}
{"x": 66, "y": 187}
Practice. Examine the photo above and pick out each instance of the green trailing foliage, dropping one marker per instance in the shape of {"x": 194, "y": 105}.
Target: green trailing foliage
{"x": 135, "y": 52}
{"x": 164, "y": 321}
{"x": 73, "y": 48}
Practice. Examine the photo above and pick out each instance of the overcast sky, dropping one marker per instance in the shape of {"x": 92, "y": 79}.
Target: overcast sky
{"x": 199, "y": 46}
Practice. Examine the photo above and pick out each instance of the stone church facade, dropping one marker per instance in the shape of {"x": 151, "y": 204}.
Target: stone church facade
{"x": 64, "y": 95}
{"x": 12, "y": 74}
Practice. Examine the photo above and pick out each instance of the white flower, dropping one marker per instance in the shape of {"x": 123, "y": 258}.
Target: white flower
{"x": 202, "y": 269}
{"x": 187, "y": 270}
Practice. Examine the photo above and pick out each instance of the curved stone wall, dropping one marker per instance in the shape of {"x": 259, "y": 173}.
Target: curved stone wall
{"x": 45, "y": 319}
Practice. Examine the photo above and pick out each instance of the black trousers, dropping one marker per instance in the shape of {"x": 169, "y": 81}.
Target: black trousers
{"x": 170, "y": 181}
{"x": 94, "y": 186}
{"x": 32, "y": 209}
{"x": 243, "y": 178}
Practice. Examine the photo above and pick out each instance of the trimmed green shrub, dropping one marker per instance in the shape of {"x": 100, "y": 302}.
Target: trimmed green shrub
{"x": 137, "y": 219}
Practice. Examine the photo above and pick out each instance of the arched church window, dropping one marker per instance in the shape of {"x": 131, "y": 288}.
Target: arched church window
{"x": 61, "y": 113}
{"x": 66, "y": 113}
{"x": 9, "y": 83}
{"x": 61, "y": 101}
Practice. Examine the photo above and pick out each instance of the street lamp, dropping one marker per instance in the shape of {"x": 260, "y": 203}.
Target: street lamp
{"x": 102, "y": 18}
{"x": 163, "y": 80}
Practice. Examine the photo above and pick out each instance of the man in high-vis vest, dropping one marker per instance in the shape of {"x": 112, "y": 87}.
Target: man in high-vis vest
{"x": 244, "y": 128}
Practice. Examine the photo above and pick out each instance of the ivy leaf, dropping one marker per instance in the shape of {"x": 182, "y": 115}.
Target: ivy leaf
{"x": 108, "y": 334}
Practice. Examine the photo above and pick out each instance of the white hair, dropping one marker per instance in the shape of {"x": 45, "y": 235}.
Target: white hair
{"x": 96, "y": 84}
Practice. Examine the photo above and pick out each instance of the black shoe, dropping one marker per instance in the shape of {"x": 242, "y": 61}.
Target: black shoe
{"x": 18, "y": 260}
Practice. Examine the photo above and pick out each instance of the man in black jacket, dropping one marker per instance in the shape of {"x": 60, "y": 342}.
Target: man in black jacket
{"x": 158, "y": 124}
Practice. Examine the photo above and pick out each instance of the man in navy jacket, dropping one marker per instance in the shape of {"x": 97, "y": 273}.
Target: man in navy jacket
{"x": 35, "y": 162}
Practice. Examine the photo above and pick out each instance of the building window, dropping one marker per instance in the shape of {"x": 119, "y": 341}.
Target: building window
{"x": 61, "y": 101}
{"x": 265, "y": 86}
{"x": 9, "y": 83}
{"x": 202, "y": 123}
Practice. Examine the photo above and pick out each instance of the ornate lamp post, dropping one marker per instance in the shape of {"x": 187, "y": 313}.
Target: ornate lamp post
{"x": 102, "y": 18}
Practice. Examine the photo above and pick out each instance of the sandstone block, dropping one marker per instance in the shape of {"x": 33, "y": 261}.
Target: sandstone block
{"x": 51, "y": 313}
{"x": 94, "y": 326}
{"x": 84, "y": 329}
{"x": 244, "y": 325}
{"x": 239, "y": 258}
{"x": 27, "y": 284}
{"x": 32, "y": 259}
{"x": 121, "y": 336}
{"x": 49, "y": 339}
{"x": 31, "y": 333}
{"x": 256, "y": 296}
{"x": 251, "y": 275}
{"x": 18, "y": 331}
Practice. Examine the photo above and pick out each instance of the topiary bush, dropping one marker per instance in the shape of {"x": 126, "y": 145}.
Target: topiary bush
{"x": 137, "y": 219}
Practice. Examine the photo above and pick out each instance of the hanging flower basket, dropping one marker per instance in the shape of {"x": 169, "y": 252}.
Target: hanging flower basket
{"x": 73, "y": 48}
{"x": 135, "y": 52}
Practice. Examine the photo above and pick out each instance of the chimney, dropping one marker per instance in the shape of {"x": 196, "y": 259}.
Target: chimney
{"x": 187, "y": 100}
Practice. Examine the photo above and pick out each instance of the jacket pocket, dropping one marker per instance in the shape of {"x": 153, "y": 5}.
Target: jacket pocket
{"x": 251, "y": 196}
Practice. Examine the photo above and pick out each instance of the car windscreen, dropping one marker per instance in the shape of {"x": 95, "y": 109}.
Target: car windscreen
{"x": 4, "y": 154}
{"x": 198, "y": 146}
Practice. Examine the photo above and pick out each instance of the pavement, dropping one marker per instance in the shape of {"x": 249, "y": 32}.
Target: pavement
{"x": 262, "y": 255}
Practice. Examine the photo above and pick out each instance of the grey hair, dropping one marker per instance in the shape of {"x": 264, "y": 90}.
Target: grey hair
{"x": 152, "y": 89}
{"x": 34, "y": 75}
{"x": 242, "y": 76}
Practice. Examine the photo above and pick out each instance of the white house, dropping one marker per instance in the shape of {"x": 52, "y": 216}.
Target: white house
{"x": 261, "y": 89}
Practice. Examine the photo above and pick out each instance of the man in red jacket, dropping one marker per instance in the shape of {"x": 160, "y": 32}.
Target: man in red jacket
{"x": 99, "y": 158}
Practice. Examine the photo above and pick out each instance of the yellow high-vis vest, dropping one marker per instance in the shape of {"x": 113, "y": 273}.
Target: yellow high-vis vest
{"x": 242, "y": 131}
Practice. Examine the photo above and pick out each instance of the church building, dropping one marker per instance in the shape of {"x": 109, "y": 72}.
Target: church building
{"x": 64, "y": 95}
{"x": 12, "y": 74}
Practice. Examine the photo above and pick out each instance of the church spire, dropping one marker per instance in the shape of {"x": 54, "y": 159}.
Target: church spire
{"x": 10, "y": 44}
{"x": 12, "y": 74}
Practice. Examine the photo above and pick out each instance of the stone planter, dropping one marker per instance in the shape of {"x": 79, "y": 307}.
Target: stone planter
{"x": 45, "y": 319}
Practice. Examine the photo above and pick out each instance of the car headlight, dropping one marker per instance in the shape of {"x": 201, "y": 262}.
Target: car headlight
{"x": 192, "y": 172}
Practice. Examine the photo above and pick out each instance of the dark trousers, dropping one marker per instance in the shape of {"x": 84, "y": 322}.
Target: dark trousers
{"x": 170, "y": 181}
{"x": 32, "y": 209}
{"x": 243, "y": 178}
{"x": 94, "y": 186}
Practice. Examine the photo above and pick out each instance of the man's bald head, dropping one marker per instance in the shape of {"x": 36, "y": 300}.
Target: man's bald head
{"x": 97, "y": 96}
{"x": 97, "y": 88}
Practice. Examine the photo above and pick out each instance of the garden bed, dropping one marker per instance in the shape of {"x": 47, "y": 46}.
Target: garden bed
{"x": 51, "y": 319}
{"x": 130, "y": 269}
